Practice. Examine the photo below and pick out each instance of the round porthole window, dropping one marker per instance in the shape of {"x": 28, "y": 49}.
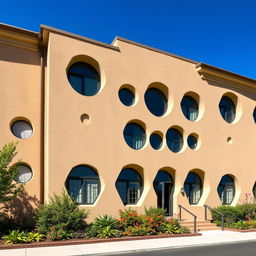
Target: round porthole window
{"x": 126, "y": 96}
{"x": 84, "y": 78}
{"x": 25, "y": 174}
{"x": 22, "y": 129}
{"x": 174, "y": 140}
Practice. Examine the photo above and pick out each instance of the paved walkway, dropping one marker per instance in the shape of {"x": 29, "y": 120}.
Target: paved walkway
{"x": 207, "y": 238}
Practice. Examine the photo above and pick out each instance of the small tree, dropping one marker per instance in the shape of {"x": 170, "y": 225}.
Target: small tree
{"x": 9, "y": 189}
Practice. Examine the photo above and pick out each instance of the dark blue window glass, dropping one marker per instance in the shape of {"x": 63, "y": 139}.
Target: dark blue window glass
{"x": 84, "y": 78}
{"x": 227, "y": 109}
{"x": 83, "y": 184}
{"x": 156, "y": 101}
{"x": 193, "y": 188}
{"x": 192, "y": 141}
{"x": 189, "y": 108}
{"x": 155, "y": 141}
{"x": 254, "y": 191}
{"x": 174, "y": 140}
{"x": 226, "y": 190}
{"x": 129, "y": 186}
{"x": 254, "y": 115}
{"x": 126, "y": 96}
{"x": 134, "y": 135}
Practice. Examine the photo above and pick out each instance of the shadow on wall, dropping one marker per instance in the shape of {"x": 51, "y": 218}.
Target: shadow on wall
{"x": 22, "y": 210}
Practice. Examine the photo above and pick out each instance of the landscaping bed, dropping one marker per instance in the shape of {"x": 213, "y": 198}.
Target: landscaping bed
{"x": 48, "y": 242}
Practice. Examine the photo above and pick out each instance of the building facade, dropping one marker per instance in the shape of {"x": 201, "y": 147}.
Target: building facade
{"x": 124, "y": 125}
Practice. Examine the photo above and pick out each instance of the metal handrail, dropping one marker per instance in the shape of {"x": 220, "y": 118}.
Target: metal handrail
{"x": 195, "y": 217}
{"x": 216, "y": 211}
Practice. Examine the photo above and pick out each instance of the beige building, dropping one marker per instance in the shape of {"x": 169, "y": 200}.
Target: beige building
{"x": 123, "y": 124}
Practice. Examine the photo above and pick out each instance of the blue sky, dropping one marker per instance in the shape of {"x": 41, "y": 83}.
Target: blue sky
{"x": 218, "y": 32}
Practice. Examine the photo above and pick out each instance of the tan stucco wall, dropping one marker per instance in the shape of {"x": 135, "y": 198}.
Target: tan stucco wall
{"x": 21, "y": 98}
{"x": 68, "y": 142}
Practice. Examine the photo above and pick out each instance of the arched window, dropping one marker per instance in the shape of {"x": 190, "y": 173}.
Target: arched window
{"x": 156, "y": 101}
{"x": 174, "y": 140}
{"x": 83, "y": 184}
{"x": 226, "y": 190}
{"x": 126, "y": 96}
{"x": 227, "y": 109}
{"x": 134, "y": 135}
{"x": 129, "y": 186}
{"x": 192, "y": 141}
{"x": 193, "y": 188}
{"x": 84, "y": 78}
{"x": 189, "y": 107}
{"x": 163, "y": 184}
{"x": 155, "y": 141}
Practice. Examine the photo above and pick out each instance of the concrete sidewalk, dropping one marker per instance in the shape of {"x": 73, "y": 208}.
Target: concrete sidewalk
{"x": 207, "y": 238}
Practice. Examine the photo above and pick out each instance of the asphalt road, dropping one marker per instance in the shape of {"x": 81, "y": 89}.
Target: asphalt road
{"x": 234, "y": 249}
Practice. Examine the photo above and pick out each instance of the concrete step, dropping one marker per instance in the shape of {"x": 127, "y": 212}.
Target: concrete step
{"x": 200, "y": 225}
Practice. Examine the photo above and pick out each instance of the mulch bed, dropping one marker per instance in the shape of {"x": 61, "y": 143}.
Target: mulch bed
{"x": 241, "y": 230}
{"x": 47, "y": 243}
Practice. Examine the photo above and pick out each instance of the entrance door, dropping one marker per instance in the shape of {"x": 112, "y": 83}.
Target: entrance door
{"x": 163, "y": 185}
{"x": 166, "y": 196}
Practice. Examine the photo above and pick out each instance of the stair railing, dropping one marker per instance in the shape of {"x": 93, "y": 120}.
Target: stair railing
{"x": 214, "y": 210}
{"x": 195, "y": 217}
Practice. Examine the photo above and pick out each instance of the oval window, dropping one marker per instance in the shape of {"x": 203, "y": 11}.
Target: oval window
{"x": 134, "y": 135}
{"x": 189, "y": 108}
{"x": 126, "y": 96}
{"x": 174, "y": 140}
{"x": 192, "y": 141}
{"x": 156, "y": 101}
{"x": 227, "y": 109}
{"x": 155, "y": 141}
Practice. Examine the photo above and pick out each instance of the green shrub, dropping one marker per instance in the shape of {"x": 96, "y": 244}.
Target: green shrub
{"x": 128, "y": 217}
{"x": 154, "y": 211}
{"x": 104, "y": 227}
{"x": 248, "y": 211}
{"x": 242, "y": 224}
{"x": 61, "y": 213}
{"x": 231, "y": 214}
{"x": 17, "y": 236}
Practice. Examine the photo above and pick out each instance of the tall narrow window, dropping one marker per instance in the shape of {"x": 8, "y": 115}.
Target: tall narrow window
{"x": 254, "y": 115}
{"x": 226, "y": 190}
{"x": 174, "y": 140}
{"x": 84, "y": 78}
{"x": 193, "y": 188}
{"x": 129, "y": 186}
{"x": 156, "y": 101}
{"x": 134, "y": 135}
{"x": 83, "y": 184}
{"x": 254, "y": 191}
{"x": 227, "y": 109}
{"x": 189, "y": 107}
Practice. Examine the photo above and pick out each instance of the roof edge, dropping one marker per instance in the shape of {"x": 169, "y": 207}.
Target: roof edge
{"x": 152, "y": 49}
{"x": 44, "y": 31}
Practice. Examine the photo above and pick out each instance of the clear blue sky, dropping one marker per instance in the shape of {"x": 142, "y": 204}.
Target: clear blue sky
{"x": 218, "y": 32}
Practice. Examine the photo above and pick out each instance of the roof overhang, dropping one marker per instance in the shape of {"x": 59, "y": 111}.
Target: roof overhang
{"x": 214, "y": 74}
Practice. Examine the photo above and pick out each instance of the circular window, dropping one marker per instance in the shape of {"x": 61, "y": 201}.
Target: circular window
{"x": 22, "y": 129}
{"x": 189, "y": 107}
{"x": 227, "y": 109}
{"x": 174, "y": 140}
{"x": 134, "y": 135}
{"x": 192, "y": 141}
{"x": 83, "y": 184}
{"x": 84, "y": 78}
{"x": 25, "y": 174}
{"x": 156, "y": 101}
{"x": 126, "y": 96}
{"x": 156, "y": 141}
